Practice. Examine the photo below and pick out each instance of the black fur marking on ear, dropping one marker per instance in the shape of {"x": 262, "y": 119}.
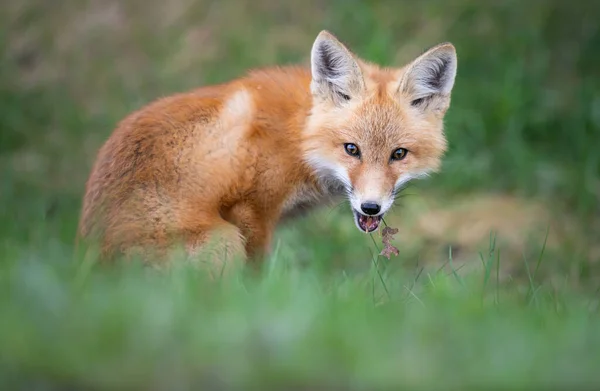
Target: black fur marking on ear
{"x": 437, "y": 76}
{"x": 422, "y": 101}
{"x": 332, "y": 68}
{"x": 343, "y": 96}
{"x": 417, "y": 102}
{"x": 329, "y": 63}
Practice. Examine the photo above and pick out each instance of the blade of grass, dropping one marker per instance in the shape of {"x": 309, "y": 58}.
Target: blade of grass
{"x": 376, "y": 265}
{"x": 410, "y": 292}
{"x": 529, "y": 276}
{"x": 441, "y": 267}
{"x": 487, "y": 264}
{"x": 498, "y": 277}
{"x": 457, "y": 269}
{"x": 414, "y": 281}
{"x": 460, "y": 281}
{"x": 537, "y": 266}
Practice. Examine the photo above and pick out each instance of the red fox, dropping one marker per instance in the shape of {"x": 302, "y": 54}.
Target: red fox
{"x": 228, "y": 162}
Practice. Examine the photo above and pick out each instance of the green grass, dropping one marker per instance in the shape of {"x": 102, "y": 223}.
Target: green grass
{"x": 505, "y": 309}
{"x": 292, "y": 327}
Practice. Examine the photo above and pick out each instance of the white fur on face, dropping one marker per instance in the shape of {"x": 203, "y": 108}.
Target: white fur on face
{"x": 405, "y": 178}
{"x": 328, "y": 171}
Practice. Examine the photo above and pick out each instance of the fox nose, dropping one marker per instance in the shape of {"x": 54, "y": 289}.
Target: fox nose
{"x": 370, "y": 208}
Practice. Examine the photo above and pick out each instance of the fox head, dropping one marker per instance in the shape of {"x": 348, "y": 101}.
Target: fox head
{"x": 374, "y": 129}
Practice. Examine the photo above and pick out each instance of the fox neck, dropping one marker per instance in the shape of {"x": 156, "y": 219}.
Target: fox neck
{"x": 315, "y": 192}
{"x": 320, "y": 187}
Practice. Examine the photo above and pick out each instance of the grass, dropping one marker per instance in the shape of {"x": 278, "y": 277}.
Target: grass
{"x": 513, "y": 305}
{"x": 65, "y": 326}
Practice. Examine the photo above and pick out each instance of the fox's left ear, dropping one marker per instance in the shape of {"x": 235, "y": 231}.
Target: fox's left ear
{"x": 428, "y": 80}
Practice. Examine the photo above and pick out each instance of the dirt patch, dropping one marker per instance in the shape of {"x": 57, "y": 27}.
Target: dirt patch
{"x": 465, "y": 225}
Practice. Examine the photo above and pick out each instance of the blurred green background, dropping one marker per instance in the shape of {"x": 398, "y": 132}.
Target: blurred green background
{"x": 523, "y": 128}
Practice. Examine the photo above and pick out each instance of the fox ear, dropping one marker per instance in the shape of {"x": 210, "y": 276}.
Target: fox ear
{"x": 335, "y": 73}
{"x": 429, "y": 79}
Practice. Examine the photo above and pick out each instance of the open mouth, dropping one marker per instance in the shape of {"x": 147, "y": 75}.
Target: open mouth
{"x": 366, "y": 223}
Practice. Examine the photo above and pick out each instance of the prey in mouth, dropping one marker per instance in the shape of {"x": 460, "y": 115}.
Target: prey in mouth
{"x": 366, "y": 223}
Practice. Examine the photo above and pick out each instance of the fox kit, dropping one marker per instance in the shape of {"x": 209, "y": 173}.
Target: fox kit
{"x": 225, "y": 164}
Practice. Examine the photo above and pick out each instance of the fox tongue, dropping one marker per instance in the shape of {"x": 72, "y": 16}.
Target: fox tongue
{"x": 363, "y": 221}
{"x": 368, "y": 222}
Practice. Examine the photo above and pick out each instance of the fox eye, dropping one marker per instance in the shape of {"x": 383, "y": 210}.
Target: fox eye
{"x": 352, "y": 149}
{"x": 399, "y": 154}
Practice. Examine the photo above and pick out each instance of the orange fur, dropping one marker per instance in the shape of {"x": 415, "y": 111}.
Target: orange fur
{"x": 228, "y": 162}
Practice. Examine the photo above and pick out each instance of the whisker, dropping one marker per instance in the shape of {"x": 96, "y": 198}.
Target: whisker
{"x": 402, "y": 196}
{"x": 384, "y": 222}
{"x": 335, "y": 207}
{"x": 400, "y": 193}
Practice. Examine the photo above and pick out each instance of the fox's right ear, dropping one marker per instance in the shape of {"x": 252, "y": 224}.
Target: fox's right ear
{"x": 335, "y": 73}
